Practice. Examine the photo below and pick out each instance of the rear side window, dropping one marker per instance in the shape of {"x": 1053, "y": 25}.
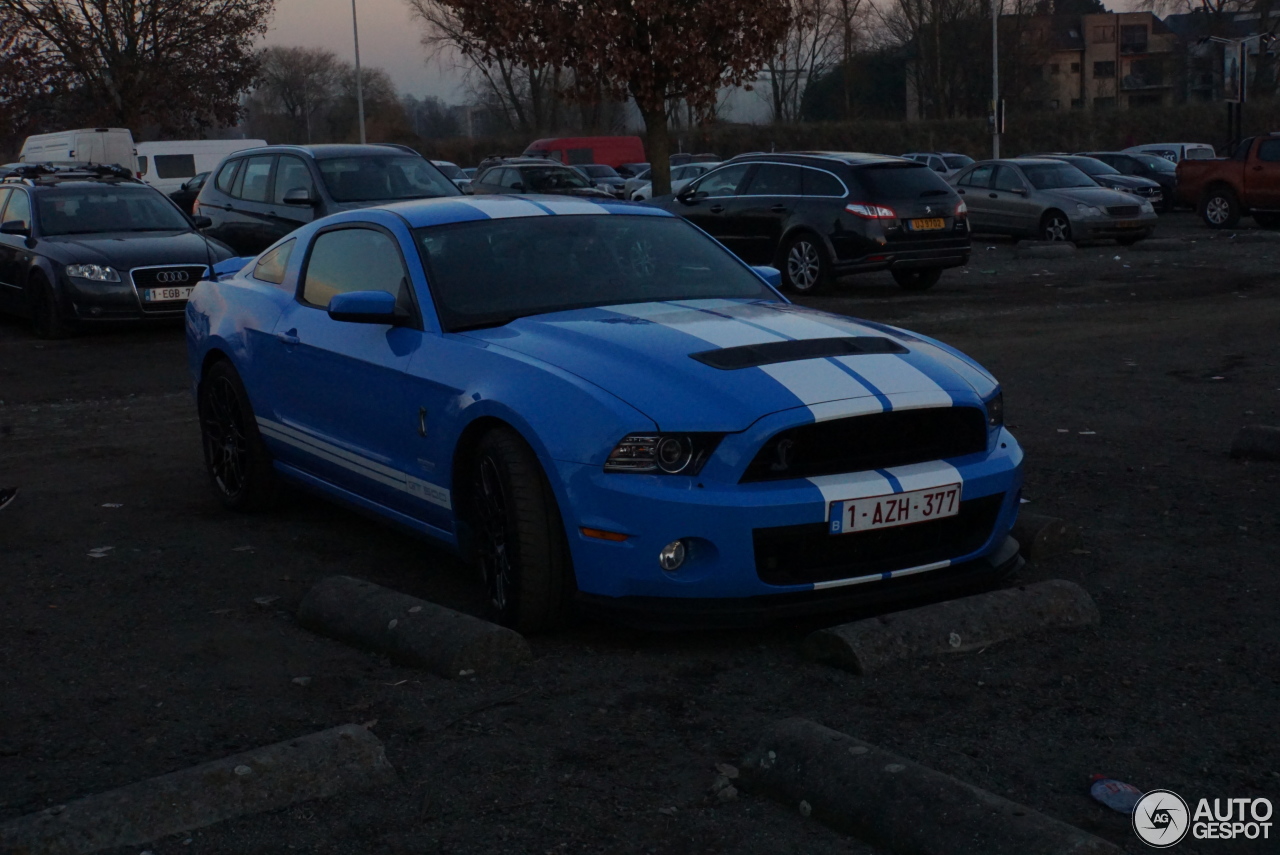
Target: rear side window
{"x": 818, "y": 183}
{"x": 902, "y": 181}
{"x": 979, "y": 177}
{"x": 18, "y": 209}
{"x": 1242, "y": 150}
{"x": 175, "y": 165}
{"x": 254, "y": 181}
{"x": 142, "y": 164}
{"x": 1269, "y": 151}
{"x": 227, "y": 176}
{"x": 775, "y": 179}
{"x": 354, "y": 260}
{"x": 271, "y": 267}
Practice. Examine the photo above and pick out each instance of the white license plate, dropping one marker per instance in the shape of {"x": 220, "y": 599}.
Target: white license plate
{"x": 896, "y": 509}
{"x": 167, "y": 295}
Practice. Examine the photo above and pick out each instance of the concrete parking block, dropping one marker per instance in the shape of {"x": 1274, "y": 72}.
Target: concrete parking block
{"x": 1044, "y": 249}
{"x": 411, "y": 631}
{"x": 1257, "y": 442}
{"x": 311, "y": 767}
{"x": 892, "y": 802}
{"x": 1043, "y": 536}
{"x": 956, "y": 626}
{"x": 1160, "y": 245}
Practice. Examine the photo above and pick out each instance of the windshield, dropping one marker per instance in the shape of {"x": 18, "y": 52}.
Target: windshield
{"x": 96, "y": 209}
{"x": 450, "y": 170}
{"x": 902, "y": 181}
{"x": 1090, "y": 166}
{"x": 541, "y": 179}
{"x": 1200, "y": 153}
{"x": 382, "y": 178}
{"x": 491, "y": 272}
{"x": 1056, "y": 176}
{"x": 596, "y": 170}
{"x": 957, "y": 161}
{"x": 1159, "y": 164}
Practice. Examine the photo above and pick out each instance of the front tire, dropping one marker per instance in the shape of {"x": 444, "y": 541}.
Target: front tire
{"x": 917, "y": 280}
{"x": 1220, "y": 209}
{"x": 235, "y": 456}
{"x": 805, "y": 267}
{"x": 1055, "y": 227}
{"x": 47, "y": 318}
{"x": 521, "y": 550}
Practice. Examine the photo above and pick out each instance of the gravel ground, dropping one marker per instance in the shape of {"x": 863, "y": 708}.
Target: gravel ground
{"x": 1126, "y": 373}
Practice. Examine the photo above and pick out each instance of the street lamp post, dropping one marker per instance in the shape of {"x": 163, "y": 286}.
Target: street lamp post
{"x": 995, "y": 79}
{"x": 355, "y": 33}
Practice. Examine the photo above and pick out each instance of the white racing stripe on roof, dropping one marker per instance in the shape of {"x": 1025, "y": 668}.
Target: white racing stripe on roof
{"x": 921, "y": 476}
{"x": 572, "y": 206}
{"x": 500, "y": 208}
{"x": 852, "y": 485}
{"x": 711, "y": 329}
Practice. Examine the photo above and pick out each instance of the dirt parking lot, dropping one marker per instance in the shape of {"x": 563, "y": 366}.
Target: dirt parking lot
{"x": 1126, "y": 373}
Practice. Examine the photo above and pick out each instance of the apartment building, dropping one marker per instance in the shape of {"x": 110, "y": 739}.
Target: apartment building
{"x": 1113, "y": 60}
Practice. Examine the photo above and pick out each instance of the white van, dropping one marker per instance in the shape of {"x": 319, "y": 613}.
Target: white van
{"x": 87, "y": 145}
{"x": 167, "y": 165}
{"x": 1175, "y": 151}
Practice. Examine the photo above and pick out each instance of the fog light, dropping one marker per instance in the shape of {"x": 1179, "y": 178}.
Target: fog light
{"x": 672, "y": 556}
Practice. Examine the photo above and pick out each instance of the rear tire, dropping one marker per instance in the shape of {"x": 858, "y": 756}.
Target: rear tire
{"x": 917, "y": 280}
{"x": 805, "y": 266}
{"x": 1220, "y": 209}
{"x": 47, "y": 319}
{"x": 1055, "y": 226}
{"x": 521, "y": 549}
{"x": 235, "y": 456}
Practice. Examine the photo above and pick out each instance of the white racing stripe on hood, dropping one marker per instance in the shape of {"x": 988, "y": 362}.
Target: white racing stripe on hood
{"x": 854, "y": 485}
{"x": 921, "y": 476}
{"x": 892, "y": 375}
{"x": 572, "y": 206}
{"x": 497, "y": 209}
{"x": 863, "y": 406}
{"x": 813, "y": 381}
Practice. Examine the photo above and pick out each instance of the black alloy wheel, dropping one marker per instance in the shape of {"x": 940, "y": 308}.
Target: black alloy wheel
{"x": 236, "y": 459}
{"x": 47, "y": 319}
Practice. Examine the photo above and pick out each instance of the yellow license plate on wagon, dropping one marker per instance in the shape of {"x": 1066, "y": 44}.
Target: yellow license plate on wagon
{"x": 928, "y": 225}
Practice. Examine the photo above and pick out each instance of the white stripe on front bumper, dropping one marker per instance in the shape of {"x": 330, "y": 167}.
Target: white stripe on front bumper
{"x": 880, "y": 577}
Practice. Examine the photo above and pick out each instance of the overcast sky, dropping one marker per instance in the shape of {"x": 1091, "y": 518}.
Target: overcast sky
{"x": 388, "y": 39}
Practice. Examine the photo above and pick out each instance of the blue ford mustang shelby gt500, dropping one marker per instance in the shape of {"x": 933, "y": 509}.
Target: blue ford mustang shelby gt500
{"x": 598, "y": 402}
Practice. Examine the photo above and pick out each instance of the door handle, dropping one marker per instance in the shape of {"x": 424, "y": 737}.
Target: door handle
{"x": 716, "y": 209}
{"x": 993, "y": 196}
{"x": 290, "y": 337}
{"x": 961, "y": 192}
{"x": 778, "y": 209}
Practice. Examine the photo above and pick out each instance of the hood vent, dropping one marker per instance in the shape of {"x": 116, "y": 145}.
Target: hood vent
{"x": 770, "y": 353}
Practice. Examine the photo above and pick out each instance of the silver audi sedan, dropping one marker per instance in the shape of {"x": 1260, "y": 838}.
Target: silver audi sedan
{"x": 1050, "y": 200}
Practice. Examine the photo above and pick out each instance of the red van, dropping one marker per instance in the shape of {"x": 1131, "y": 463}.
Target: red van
{"x": 576, "y": 151}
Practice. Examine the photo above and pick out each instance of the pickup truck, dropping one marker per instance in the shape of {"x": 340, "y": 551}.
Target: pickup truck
{"x": 1225, "y": 189}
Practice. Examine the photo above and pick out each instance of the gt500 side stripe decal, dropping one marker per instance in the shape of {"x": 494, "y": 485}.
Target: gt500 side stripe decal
{"x": 352, "y": 462}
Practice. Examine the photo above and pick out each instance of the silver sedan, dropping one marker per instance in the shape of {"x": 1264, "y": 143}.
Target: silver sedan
{"x": 1050, "y": 200}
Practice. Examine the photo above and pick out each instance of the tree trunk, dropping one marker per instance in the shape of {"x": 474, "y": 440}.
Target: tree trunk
{"x": 657, "y": 144}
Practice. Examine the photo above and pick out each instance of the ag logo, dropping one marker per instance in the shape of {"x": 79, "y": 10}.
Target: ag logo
{"x": 1160, "y": 819}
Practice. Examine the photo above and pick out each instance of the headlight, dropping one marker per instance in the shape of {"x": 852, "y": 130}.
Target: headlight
{"x": 995, "y": 409}
{"x": 1121, "y": 189}
{"x": 93, "y": 272}
{"x": 663, "y": 453}
{"x": 1147, "y": 207}
{"x": 1088, "y": 210}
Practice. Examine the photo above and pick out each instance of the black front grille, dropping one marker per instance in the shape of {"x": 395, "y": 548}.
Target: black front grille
{"x": 860, "y": 443}
{"x": 800, "y": 554}
{"x": 165, "y": 277}
{"x": 1123, "y": 210}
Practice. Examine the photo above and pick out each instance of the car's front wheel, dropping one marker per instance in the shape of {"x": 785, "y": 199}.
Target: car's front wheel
{"x": 1220, "y": 209}
{"x": 1055, "y": 227}
{"x": 235, "y": 456}
{"x": 917, "y": 280}
{"x": 47, "y": 318}
{"x": 805, "y": 267}
{"x": 521, "y": 550}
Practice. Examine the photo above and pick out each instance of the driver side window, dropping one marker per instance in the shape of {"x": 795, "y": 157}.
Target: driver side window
{"x": 723, "y": 182}
{"x": 355, "y": 259}
{"x": 980, "y": 176}
{"x": 511, "y": 179}
{"x": 1008, "y": 180}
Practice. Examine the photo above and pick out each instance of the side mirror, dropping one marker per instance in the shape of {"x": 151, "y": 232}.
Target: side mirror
{"x": 772, "y": 275}
{"x": 200, "y": 221}
{"x": 1021, "y": 191}
{"x": 687, "y": 193}
{"x": 15, "y": 227}
{"x": 366, "y": 307}
{"x": 298, "y": 196}
{"x": 518, "y": 187}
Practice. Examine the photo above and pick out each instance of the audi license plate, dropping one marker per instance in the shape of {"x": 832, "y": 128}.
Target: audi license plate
{"x": 167, "y": 295}
{"x": 928, "y": 225}
{"x": 896, "y": 509}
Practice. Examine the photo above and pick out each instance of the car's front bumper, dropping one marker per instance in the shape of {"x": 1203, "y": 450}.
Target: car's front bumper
{"x": 719, "y": 522}
{"x": 85, "y": 300}
{"x": 1102, "y": 228}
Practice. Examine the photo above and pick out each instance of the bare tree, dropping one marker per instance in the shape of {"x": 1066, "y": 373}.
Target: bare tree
{"x": 300, "y": 82}
{"x": 811, "y": 46}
